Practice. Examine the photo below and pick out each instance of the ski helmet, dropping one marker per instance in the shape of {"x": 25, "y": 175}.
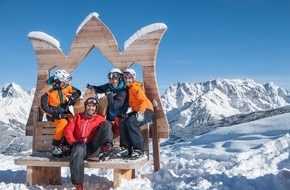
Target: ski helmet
{"x": 130, "y": 72}
{"x": 63, "y": 76}
{"x": 114, "y": 73}
{"x": 92, "y": 100}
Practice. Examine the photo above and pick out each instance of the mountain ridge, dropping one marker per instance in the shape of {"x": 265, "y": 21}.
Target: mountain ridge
{"x": 191, "y": 108}
{"x": 196, "y": 108}
{"x": 15, "y": 105}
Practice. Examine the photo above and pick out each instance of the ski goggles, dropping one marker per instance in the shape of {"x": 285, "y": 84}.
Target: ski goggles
{"x": 64, "y": 80}
{"x": 68, "y": 80}
{"x": 127, "y": 74}
{"x": 114, "y": 75}
{"x": 91, "y": 101}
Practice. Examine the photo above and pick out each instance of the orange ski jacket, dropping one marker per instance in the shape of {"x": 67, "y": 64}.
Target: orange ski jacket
{"x": 138, "y": 100}
{"x": 55, "y": 98}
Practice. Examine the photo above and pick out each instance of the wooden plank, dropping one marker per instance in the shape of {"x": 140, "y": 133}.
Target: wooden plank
{"x": 44, "y": 131}
{"x": 44, "y": 138}
{"x": 132, "y": 58}
{"x": 110, "y": 164}
{"x": 145, "y": 134}
{"x": 163, "y": 134}
{"x": 43, "y": 145}
{"x": 42, "y": 124}
{"x": 155, "y": 141}
{"x": 35, "y": 119}
{"x": 120, "y": 174}
{"x": 29, "y": 128}
{"x": 37, "y": 175}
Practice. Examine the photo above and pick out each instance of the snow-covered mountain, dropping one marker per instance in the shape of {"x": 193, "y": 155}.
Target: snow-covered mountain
{"x": 15, "y": 105}
{"x": 193, "y": 109}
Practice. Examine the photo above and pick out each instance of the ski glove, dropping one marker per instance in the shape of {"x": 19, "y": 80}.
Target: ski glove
{"x": 73, "y": 99}
{"x": 123, "y": 116}
{"x": 140, "y": 116}
{"x": 108, "y": 93}
{"x": 57, "y": 115}
{"x": 88, "y": 88}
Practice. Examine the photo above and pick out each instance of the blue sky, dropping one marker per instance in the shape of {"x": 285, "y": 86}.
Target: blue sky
{"x": 205, "y": 39}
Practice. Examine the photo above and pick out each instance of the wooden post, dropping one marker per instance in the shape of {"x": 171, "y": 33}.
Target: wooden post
{"x": 120, "y": 174}
{"x": 35, "y": 119}
{"x": 37, "y": 175}
{"x": 145, "y": 135}
{"x": 155, "y": 140}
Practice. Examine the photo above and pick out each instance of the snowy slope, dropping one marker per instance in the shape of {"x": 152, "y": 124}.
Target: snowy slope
{"x": 252, "y": 155}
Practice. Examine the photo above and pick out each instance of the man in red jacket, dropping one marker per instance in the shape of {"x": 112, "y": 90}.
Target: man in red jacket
{"x": 90, "y": 135}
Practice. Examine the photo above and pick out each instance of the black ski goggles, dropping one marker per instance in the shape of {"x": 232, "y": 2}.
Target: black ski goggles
{"x": 114, "y": 75}
{"x": 127, "y": 74}
{"x": 91, "y": 101}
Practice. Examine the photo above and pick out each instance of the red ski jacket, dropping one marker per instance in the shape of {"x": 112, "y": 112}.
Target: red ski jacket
{"x": 82, "y": 128}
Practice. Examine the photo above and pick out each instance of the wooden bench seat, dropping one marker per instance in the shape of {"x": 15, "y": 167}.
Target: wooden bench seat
{"x": 42, "y": 168}
{"x": 45, "y": 159}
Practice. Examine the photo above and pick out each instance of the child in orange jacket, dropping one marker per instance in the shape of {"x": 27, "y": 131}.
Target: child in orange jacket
{"x": 55, "y": 104}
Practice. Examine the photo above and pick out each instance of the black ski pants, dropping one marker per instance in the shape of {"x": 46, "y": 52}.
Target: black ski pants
{"x": 81, "y": 151}
{"x": 130, "y": 132}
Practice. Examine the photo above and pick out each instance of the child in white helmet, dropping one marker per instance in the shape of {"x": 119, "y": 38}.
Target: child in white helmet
{"x": 55, "y": 104}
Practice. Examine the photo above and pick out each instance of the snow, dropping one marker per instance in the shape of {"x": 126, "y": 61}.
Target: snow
{"x": 94, "y": 14}
{"x": 45, "y": 37}
{"x": 247, "y": 156}
{"x": 196, "y": 108}
{"x": 143, "y": 31}
{"x": 11, "y": 94}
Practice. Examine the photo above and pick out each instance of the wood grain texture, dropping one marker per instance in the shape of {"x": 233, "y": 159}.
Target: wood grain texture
{"x": 54, "y": 162}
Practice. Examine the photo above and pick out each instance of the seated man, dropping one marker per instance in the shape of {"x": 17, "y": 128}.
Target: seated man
{"x": 90, "y": 135}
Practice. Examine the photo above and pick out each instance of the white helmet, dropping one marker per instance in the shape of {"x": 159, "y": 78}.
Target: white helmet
{"x": 130, "y": 72}
{"x": 63, "y": 76}
{"x": 114, "y": 73}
